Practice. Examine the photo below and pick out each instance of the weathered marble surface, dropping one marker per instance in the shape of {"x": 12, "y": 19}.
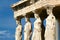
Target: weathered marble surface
{"x": 18, "y": 34}
{"x": 27, "y": 31}
{"x": 50, "y": 32}
{"x": 37, "y": 30}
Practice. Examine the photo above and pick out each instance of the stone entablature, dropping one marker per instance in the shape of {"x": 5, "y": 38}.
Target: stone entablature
{"x": 38, "y": 5}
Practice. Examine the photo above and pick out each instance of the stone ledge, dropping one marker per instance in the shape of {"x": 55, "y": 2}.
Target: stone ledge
{"x": 37, "y": 5}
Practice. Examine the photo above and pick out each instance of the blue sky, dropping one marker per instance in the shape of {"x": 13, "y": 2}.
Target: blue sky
{"x": 7, "y": 22}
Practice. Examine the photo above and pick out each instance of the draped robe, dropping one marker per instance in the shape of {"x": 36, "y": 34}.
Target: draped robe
{"x": 37, "y": 30}
{"x": 50, "y": 32}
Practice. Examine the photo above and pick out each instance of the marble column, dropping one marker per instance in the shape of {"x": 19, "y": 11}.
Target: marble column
{"x": 37, "y": 28}
{"x": 27, "y": 29}
{"x": 50, "y": 32}
{"x": 18, "y": 33}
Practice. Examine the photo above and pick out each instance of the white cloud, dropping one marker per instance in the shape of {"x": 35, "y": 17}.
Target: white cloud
{"x": 6, "y": 34}
{"x": 3, "y": 32}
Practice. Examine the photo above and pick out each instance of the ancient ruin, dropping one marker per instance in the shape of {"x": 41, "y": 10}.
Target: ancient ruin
{"x": 40, "y": 10}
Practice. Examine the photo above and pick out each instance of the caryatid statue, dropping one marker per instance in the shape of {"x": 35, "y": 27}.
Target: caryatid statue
{"x": 18, "y": 33}
{"x": 50, "y": 32}
{"x": 37, "y": 28}
{"x": 27, "y": 29}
